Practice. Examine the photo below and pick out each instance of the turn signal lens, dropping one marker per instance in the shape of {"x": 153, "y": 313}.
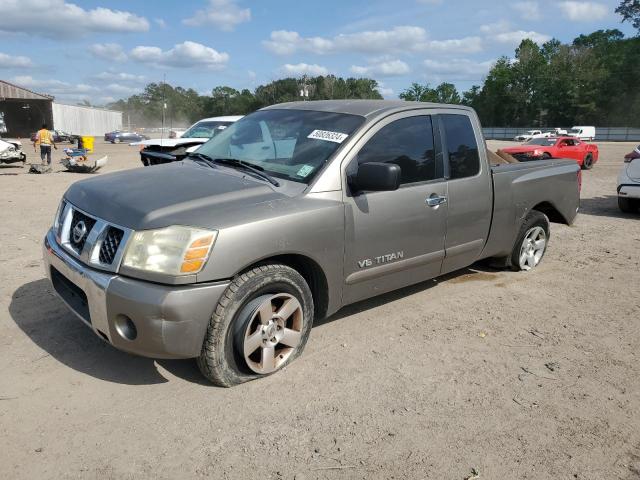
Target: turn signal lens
{"x": 193, "y": 266}
{"x": 202, "y": 242}
{"x": 196, "y": 253}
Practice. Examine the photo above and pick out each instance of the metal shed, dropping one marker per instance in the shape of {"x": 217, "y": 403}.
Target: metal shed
{"x": 81, "y": 120}
{"x": 23, "y": 111}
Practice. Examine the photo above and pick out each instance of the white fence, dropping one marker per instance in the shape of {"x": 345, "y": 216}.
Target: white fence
{"x": 80, "y": 120}
{"x": 603, "y": 134}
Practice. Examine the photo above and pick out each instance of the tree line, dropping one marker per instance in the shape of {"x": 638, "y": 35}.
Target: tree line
{"x": 185, "y": 106}
{"x": 592, "y": 81}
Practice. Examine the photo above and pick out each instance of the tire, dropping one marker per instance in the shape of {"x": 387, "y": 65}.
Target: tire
{"x": 546, "y": 156}
{"x": 535, "y": 227}
{"x": 587, "y": 163}
{"x": 116, "y": 140}
{"x": 627, "y": 205}
{"x": 224, "y": 359}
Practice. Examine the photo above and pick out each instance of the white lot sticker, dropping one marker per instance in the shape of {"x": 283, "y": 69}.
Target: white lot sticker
{"x": 304, "y": 171}
{"x": 335, "y": 137}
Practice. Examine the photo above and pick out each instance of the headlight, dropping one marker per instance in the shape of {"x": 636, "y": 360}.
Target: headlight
{"x": 174, "y": 250}
{"x": 57, "y": 219}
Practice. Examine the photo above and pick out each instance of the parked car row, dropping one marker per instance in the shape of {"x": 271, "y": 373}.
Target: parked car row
{"x": 582, "y": 133}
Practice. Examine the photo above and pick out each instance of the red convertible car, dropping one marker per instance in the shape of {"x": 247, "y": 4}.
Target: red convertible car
{"x": 586, "y": 154}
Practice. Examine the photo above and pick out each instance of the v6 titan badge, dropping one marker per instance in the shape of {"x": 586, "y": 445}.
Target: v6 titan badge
{"x": 389, "y": 257}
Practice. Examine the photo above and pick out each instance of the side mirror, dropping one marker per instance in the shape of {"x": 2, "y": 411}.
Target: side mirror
{"x": 376, "y": 177}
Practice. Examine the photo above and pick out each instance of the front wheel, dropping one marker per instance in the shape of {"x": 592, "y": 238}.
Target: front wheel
{"x": 260, "y": 325}
{"x": 587, "y": 163}
{"x": 531, "y": 243}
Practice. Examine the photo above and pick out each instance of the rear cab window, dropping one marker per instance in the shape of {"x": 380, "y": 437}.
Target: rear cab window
{"x": 461, "y": 146}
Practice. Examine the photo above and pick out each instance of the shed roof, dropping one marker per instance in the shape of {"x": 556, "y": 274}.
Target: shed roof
{"x": 9, "y": 90}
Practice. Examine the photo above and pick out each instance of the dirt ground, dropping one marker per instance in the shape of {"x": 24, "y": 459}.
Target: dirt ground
{"x": 514, "y": 375}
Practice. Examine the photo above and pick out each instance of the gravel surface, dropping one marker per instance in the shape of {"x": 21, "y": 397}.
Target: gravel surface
{"x": 510, "y": 375}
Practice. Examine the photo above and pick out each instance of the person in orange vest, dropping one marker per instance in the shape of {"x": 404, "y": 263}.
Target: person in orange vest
{"x": 45, "y": 139}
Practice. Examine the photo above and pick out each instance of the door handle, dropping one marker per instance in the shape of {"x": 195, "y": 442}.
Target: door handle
{"x": 436, "y": 200}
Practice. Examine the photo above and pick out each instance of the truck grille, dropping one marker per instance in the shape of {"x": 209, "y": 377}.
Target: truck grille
{"x": 81, "y": 226}
{"x": 110, "y": 245}
{"x": 90, "y": 239}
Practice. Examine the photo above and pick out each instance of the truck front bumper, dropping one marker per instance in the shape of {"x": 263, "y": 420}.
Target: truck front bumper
{"x": 148, "y": 319}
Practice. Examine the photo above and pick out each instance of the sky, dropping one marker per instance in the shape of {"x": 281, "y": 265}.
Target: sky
{"x": 103, "y": 50}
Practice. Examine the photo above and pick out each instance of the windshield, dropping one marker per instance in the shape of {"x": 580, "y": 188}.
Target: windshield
{"x": 205, "y": 129}
{"x": 542, "y": 141}
{"x": 290, "y": 144}
{"x": 575, "y": 130}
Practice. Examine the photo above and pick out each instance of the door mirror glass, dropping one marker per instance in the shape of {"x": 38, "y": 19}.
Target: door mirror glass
{"x": 376, "y": 177}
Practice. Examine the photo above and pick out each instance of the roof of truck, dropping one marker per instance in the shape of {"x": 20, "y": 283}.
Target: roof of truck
{"x": 365, "y": 108}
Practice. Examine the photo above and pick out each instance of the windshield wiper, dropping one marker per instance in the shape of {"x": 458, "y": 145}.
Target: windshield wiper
{"x": 256, "y": 169}
{"x": 234, "y": 162}
{"x": 201, "y": 156}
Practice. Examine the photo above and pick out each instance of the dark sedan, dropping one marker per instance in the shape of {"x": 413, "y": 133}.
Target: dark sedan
{"x": 59, "y": 137}
{"x": 126, "y": 137}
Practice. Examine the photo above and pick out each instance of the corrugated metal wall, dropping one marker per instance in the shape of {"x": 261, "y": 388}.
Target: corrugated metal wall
{"x": 85, "y": 120}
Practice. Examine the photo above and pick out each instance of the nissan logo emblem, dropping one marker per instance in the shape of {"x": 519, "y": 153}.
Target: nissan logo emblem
{"x": 79, "y": 231}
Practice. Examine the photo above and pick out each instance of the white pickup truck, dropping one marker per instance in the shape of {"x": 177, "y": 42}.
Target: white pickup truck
{"x": 165, "y": 150}
{"x": 530, "y": 134}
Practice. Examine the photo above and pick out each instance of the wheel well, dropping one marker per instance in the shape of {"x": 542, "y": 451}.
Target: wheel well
{"x": 311, "y": 272}
{"x": 551, "y": 212}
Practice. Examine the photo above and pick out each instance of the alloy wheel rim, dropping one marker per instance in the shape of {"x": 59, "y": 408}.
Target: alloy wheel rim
{"x": 273, "y": 333}
{"x": 532, "y": 249}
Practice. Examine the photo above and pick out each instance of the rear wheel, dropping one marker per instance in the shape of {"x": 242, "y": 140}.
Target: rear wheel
{"x": 531, "y": 243}
{"x": 628, "y": 205}
{"x": 260, "y": 325}
{"x": 587, "y": 163}
{"x": 546, "y": 156}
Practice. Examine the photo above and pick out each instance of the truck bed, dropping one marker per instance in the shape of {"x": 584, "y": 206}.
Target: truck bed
{"x": 546, "y": 185}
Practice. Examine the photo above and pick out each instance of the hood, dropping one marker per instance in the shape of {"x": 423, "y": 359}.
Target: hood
{"x": 169, "y": 142}
{"x": 178, "y": 193}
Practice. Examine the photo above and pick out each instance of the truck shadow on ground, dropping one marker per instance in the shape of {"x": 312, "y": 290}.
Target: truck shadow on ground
{"x": 47, "y": 321}
{"x": 480, "y": 271}
{"x": 603, "y": 206}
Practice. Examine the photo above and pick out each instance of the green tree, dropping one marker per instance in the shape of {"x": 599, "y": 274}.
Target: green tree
{"x": 630, "y": 11}
{"x": 447, "y": 93}
{"x": 415, "y": 93}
